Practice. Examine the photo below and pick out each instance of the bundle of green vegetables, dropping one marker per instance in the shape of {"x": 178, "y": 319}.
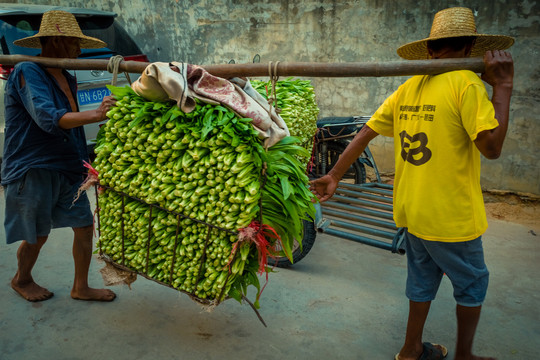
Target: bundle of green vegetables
{"x": 193, "y": 200}
{"x": 296, "y": 100}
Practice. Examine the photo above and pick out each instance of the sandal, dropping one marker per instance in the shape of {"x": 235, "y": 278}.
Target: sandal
{"x": 431, "y": 352}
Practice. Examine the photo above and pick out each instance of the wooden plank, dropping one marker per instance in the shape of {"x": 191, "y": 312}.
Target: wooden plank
{"x": 300, "y": 69}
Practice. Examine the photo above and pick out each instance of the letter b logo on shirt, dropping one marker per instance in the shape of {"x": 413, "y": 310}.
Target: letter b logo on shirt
{"x": 416, "y": 154}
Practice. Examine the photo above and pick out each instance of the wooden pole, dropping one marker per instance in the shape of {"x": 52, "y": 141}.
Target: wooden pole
{"x": 74, "y": 64}
{"x": 301, "y": 69}
{"x": 350, "y": 69}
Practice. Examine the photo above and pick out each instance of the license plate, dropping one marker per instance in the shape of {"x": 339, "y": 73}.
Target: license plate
{"x": 92, "y": 96}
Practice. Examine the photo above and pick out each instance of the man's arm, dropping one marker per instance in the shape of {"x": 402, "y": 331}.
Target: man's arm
{"x": 499, "y": 74}
{"x": 325, "y": 186}
{"x": 353, "y": 152}
{"x": 74, "y": 119}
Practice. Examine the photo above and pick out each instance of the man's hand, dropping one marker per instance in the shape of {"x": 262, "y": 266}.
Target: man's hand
{"x": 104, "y": 107}
{"x": 499, "y": 68}
{"x": 71, "y": 120}
{"x": 324, "y": 187}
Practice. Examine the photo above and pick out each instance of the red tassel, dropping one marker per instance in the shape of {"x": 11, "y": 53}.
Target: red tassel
{"x": 257, "y": 234}
{"x": 91, "y": 179}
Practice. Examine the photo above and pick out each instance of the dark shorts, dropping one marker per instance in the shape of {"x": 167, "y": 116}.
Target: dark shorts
{"x": 463, "y": 263}
{"x": 40, "y": 201}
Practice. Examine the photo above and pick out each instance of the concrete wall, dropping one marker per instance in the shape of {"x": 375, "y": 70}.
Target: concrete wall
{"x": 209, "y": 32}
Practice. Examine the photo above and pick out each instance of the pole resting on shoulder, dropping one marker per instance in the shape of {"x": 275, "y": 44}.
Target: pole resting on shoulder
{"x": 300, "y": 69}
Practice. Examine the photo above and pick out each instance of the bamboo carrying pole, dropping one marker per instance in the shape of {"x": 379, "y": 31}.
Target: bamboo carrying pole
{"x": 306, "y": 69}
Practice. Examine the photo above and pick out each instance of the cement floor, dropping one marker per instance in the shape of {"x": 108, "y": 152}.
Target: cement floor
{"x": 343, "y": 301}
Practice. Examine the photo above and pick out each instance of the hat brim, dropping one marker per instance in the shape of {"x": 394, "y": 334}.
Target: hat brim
{"x": 417, "y": 50}
{"x": 87, "y": 42}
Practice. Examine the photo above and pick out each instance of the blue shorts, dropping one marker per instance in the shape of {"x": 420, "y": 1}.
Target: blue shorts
{"x": 463, "y": 263}
{"x": 41, "y": 200}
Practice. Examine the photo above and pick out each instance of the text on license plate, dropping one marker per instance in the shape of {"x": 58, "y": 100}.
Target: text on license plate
{"x": 91, "y": 96}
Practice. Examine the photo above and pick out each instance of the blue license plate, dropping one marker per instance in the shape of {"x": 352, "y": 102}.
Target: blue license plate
{"x": 92, "y": 96}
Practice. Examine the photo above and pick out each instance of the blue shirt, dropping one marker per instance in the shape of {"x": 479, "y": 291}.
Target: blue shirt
{"x": 33, "y": 138}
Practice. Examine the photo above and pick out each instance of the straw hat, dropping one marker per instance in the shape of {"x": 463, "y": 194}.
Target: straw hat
{"x": 455, "y": 22}
{"x": 59, "y": 23}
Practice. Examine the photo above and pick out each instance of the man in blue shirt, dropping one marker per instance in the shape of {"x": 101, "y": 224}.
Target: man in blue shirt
{"x": 44, "y": 150}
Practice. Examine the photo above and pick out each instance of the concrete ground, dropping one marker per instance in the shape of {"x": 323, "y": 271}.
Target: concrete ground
{"x": 343, "y": 301}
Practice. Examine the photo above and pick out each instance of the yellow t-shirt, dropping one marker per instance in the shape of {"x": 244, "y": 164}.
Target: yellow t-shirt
{"x": 434, "y": 120}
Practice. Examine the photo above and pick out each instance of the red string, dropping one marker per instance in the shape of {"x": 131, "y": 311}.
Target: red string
{"x": 91, "y": 169}
{"x": 311, "y": 162}
{"x": 91, "y": 179}
{"x": 257, "y": 234}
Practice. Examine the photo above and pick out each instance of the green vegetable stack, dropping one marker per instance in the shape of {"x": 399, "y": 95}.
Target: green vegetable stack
{"x": 184, "y": 194}
{"x": 296, "y": 100}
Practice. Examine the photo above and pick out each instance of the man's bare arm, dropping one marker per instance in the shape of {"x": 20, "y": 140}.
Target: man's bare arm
{"x": 74, "y": 119}
{"x": 499, "y": 74}
{"x": 353, "y": 151}
{"x": 325, "y": 186}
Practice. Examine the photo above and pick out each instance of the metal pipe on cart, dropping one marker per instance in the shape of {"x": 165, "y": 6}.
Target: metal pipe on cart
{"x": 395, "y": 246}
{"x": 366, "y": 241}
{"x": 370, "y": 219}
{"x": 365, "y": 210}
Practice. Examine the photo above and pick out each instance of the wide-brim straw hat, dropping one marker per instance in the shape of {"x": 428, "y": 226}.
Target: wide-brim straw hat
{"x": 60, "y": 23}
{"x": 451, "y": 23}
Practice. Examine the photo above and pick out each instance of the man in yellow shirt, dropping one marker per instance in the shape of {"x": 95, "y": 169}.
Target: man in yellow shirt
{"x": 440, "y": 125}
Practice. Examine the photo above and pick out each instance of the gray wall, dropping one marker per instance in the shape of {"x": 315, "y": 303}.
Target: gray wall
{"x": 209, "y": 32}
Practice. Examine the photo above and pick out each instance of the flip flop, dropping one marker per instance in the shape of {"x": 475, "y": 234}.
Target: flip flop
{"x": 433, "y": 352}
{"x": 430, "y": 352}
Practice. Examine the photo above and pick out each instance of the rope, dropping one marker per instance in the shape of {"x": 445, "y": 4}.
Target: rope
{"x": 113, "y": 66}
{"x": 311, "y": 163}
{"x": 263, "y": 183}
{"x": 274, "y": 77}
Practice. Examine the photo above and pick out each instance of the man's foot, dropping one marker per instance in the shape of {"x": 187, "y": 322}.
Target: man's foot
{"x": 30, "y": 290}
{"x": 90, "y": 294}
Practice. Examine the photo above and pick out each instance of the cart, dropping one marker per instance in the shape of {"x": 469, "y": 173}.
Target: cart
{"x": 362, "y": 213}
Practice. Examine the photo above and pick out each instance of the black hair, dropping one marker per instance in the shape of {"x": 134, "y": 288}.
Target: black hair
{"x": 454, "y": 43}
